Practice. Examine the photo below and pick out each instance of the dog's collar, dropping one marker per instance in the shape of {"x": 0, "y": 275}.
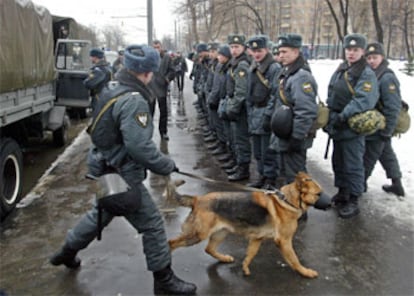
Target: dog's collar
{"x": 282, "y": 197}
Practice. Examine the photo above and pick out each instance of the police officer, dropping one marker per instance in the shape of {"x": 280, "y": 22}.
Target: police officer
{"x": 128, "y": 149}
{"x": 260, "y": 104}
{"x": 200, "y": 73}
{"x": 352, "y": 89}
{"x": 297, "y": 89}
{"x": 378, "y": 146}
{"x": 99, "y": 74}
{"x": 236, "y": 112}
{"x": 119, "y": 62}
{"x": 159, "y": 85}
{"x": 218, "y": 93}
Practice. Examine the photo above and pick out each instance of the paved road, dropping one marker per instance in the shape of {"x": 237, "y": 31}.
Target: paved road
{"x": 367, "y": 255}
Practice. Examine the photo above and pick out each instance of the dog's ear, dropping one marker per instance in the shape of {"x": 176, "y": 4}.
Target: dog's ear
{"x": 301, "y": 179}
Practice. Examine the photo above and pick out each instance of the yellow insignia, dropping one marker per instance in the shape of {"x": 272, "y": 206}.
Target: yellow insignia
{"x": 367, "y": 87}
{"x": 352, "y": 42}
{"x": 142, "y": 119}
{"x": 307, "y": 87}
{"x": 236, "y": 39}
{"x": 392, "y": 88}
{"x": 371, "y": 48}
{"x": 241, "y": 74}
{"x": 91, "y": 75}
{"x": 254, "y": 44}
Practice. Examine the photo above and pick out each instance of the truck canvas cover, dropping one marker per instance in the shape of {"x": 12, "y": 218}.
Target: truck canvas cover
{"x": 26, "y": 45}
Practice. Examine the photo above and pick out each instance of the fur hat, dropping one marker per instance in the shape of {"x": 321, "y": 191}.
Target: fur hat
{"x": 236, "y": 39}
{"x": 258, "y": 41}
{"x": 224, "y": 50}
{"x": 202, "y": 47}
{"x": 355, "y": 40}
{"x": 374, "y": 48}
{"x": 213, "y": 46}
{"x": 96, "y": 52}
{"x": 141, "y": 59}
{"x": 289, "y": 40}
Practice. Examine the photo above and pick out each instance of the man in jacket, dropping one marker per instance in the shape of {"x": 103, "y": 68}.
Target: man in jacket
{"x": 159, "y": 85}
{"x": 378, "y": 146}
{"x": 353, "y": 89}
{"x": 122, "y": 136}
{"x": 99, "y": 74}
{"x": 260, "y": 104}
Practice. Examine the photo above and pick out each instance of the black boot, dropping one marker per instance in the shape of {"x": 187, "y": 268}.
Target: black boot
{"x": 225, "y": 157}
{"x": 220, "y": 150}
{"x": 232, "y": 170}
{"x": 340, "y": 198}
{"x": 269, "y": 184}
{"x": 242, "y": 173}
{"x": 229, "y": 164}
{"x": 258, "y": 183}
{"x": 67, "y": 257}
{"x": 395, "y": 188}
{"x": 350, "y": 208}
{"x": 166, "y": 282}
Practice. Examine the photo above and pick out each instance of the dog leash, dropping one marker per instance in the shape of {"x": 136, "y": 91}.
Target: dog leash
{"x": 277, "y": 192}
{"x": 236, "y": 185}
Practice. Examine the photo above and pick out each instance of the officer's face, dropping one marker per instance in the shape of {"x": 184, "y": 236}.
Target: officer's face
{"x": 236, "y": 49}
{"x": 157, "y": 46}
{"x": 222, "y": 59}
{"x": 353, "y": 54}
{"x": 288, "y": 55}
{"x": 212, "y": 54}
{"x": 259, "y": 54}
{"x": 374, "y": 60}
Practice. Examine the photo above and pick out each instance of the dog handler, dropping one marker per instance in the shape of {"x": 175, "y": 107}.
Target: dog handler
{"x": 123, "y": 141}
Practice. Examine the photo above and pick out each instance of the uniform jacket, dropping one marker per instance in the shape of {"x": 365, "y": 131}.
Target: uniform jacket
{"x": 236, "y": 86}
{"x": 259, "y": 100}
{"x": 389, "y": 102}
{"x": 99, "y": 75}
{"x": 132, "y": 126}
{"x": 180, "y": 65}
{"x": 210, "y": 76}
{"x": 161, "y": 79}
{"x": 342, "y": 101}
{"x": 218, "y": 90}
{"x": 300, "y": 89}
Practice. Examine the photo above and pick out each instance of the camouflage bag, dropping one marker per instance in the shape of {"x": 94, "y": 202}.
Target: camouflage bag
{"x": 404, "y": 120}
{"x": 323, "y": 115}
{"x": 367, "y": 123}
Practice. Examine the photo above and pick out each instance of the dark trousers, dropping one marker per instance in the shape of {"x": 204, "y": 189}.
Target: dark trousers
{"x": 162, "y": 105}
{"x": 180, "y": 80}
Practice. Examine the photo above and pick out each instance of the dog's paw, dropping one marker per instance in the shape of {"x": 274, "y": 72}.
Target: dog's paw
{"x": 246, "y": 270}
{"x": 309, "y": 273}
{"x": 226, "y": 259}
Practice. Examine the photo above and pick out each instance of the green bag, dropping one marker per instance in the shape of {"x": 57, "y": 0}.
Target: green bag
{"x": 367, "y": 122}
{"x": 404, "y": 120}
{"x": 323, "y": 115}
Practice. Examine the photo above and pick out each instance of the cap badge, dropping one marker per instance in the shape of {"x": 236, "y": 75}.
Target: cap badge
{"x": 352, "y": 42}
{"x": 371, "y": 48}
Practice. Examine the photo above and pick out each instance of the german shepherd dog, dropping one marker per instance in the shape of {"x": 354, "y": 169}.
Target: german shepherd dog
{"x": 255, "y": 215}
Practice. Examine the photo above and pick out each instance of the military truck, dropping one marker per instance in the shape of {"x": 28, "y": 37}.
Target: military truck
{"x": 38, "y": 72}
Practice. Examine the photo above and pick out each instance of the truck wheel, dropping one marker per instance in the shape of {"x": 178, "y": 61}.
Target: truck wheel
{"x": 61, "y": 135}
{"x": 11, "y": 170}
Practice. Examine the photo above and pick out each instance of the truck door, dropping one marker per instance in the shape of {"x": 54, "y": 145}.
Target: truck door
{"x": 72, "y": 65}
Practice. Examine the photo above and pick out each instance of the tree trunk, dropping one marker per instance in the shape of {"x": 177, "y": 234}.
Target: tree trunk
{"x": 377, "y": 22}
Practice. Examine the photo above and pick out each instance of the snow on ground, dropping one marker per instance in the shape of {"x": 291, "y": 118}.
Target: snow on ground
{"x": 401, "y": 209}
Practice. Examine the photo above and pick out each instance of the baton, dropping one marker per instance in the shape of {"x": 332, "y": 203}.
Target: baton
{"x": 328, "y": 143}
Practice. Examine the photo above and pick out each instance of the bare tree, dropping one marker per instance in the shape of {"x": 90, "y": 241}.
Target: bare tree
{"x": 113, "y": 37}
{"x": 377, "y": 21}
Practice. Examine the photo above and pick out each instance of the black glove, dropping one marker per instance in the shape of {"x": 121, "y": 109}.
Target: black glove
{"x": 266, "y": 124}
{"x": 191, "y": 77}
{"x": 337, "y": 121}
{"x": 175, "y": 169}
{"x": 295, "y": 145}
{"x": 213, "y": 106}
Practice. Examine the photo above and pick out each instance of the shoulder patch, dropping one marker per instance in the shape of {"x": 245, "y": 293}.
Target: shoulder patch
{"x": 392, "y": 88}
{"x": 142, "y": 119}
{"x": 367, "y": 86}
{"x": 307, "y": 87}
